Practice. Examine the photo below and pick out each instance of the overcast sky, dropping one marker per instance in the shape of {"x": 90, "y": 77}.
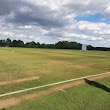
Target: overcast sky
{"x": 49, "y": 21}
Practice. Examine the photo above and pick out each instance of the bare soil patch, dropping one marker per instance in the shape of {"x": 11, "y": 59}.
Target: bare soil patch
{"x": 18, "y": 81}
{"x": 8, "y": 102}
{"x": 15, "y": 101}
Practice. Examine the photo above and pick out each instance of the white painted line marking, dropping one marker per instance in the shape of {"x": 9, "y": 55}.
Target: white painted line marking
{"x": 47, "y": 85}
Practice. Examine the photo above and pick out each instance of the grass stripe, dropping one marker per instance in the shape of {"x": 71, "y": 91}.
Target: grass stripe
{"x": 52, "y": 84}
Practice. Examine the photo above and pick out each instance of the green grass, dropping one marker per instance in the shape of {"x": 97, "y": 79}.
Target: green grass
{"x": 56, "y": 64}
{"x": 82, "y": 97}
{"x": 51, "y": 65}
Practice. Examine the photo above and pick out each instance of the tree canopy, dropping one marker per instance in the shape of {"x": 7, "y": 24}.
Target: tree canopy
{"x": 59, "y": 45}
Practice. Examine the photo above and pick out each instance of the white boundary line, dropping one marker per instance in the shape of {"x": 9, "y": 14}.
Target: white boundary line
{"x": 47, "y": 85}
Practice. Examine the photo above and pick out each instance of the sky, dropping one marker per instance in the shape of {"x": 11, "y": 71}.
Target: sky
{"x": 50, "y": 21}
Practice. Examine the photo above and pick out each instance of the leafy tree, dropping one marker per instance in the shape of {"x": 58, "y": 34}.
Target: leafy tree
{"x": 8, "y": 42}
{"x": 68, "y": 45}
{"x": 14, "y": 43}
{"x": 59, "y": 45}
{"x": 2, "y": 43}
{"x": 20, "y": 43}
{"x": 31, "y": 44}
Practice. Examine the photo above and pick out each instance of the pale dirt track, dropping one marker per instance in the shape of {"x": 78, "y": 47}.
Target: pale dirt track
{"x": 18, "y": 81}
{"x": 15, "y": 101}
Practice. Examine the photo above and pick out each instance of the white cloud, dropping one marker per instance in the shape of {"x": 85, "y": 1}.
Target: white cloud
{"x": 25, "y": 27}
{"x": 34, "y": 19}
{"x": 107, "y": 10}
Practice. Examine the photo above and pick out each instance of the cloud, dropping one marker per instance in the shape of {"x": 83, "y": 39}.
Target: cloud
{"x": 26, "y": 12}
{"x": 34, "y": 20}
{"x": 107, "y": 10}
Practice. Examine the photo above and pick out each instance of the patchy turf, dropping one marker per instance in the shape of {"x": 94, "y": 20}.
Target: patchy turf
{"x": 51, "y": 65}
{"x": 81, "y": 97}
{"x": 18, "y": 81}
{"x": 16, "y": 101}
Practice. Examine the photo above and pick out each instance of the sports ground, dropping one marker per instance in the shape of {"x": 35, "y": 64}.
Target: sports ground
{"x": 23, "y": 68}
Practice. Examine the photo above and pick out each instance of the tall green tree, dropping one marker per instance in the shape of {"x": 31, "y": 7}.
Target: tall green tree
{"x": 8, "y": 42}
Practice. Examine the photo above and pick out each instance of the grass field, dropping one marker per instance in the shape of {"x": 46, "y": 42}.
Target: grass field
{"x": 83, "y": 97}
{"x": 52, "y": 65}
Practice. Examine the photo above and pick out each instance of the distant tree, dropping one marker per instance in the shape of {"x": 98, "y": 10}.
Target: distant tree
{"x": 89, "y": 47}
{"x": 43, "y": 46}
{"x": 38, "y": 45}
{"x": 59, "y": 45}
{"x": 68, "y": 45}
{"x": 8, "y": 42}
{"x": 50, "y": 46}
{"x": 27, "y": 45}
{"x": 14, "y": 43}
{"x": 31, "y": 44}
{"x": 20, "y": 43}
{"x": 2, "y": 42}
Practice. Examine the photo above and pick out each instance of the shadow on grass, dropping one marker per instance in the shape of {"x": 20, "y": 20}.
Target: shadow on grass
{"x": 98, "y": 85}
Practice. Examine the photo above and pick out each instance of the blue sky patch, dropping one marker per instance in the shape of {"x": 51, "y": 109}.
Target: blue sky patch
{"x": 93, "y": 18}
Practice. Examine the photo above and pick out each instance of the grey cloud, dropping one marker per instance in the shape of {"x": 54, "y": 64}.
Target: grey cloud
{"x": 24, "y": 13}
{"x": 86, "y": 7}
{"x": 23, "y": 18}
{"x": 7, "y": 6}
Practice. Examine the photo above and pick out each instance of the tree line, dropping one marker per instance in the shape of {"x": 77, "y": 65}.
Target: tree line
{"x": 19, "y": 43}
{"x": 60, "y": 45}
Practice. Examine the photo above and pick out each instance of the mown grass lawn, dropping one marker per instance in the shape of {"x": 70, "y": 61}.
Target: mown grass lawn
{"x": 50, "y": 65}
{"x": 82, "y": 97}
{"x": 53, "y": 64}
